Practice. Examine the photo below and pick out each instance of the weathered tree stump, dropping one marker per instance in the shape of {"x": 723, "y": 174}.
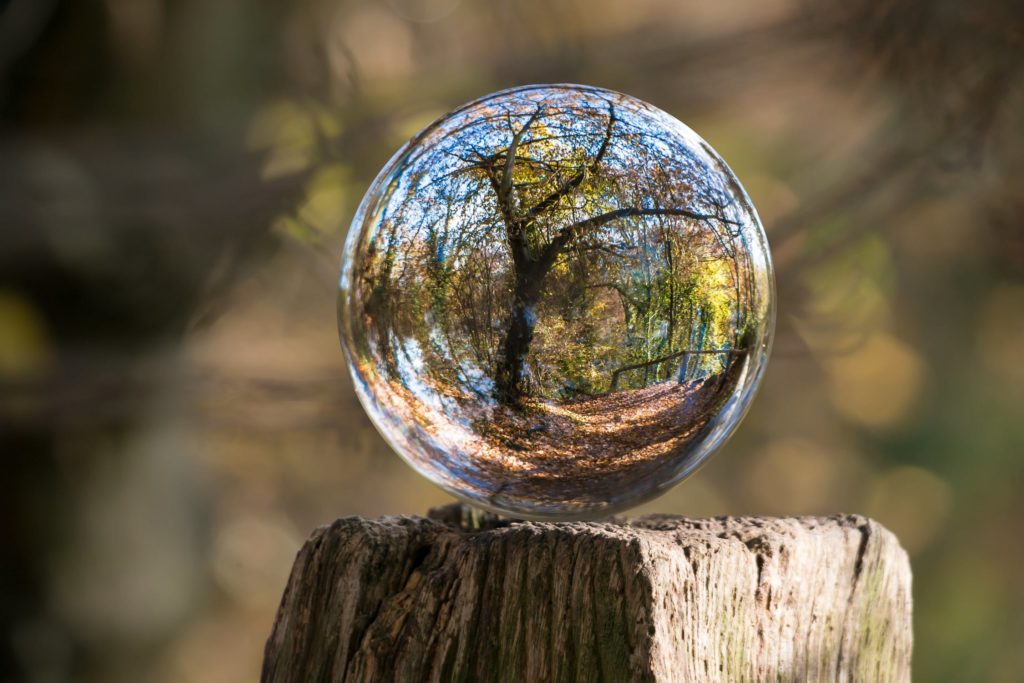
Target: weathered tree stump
{"x": 462, "y": 596}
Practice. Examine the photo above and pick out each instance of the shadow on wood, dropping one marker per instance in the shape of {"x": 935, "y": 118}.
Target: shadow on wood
{"x": 464, "y": 596}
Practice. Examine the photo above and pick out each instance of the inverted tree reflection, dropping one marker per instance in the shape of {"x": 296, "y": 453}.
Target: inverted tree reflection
{"x": 540, "y": 249}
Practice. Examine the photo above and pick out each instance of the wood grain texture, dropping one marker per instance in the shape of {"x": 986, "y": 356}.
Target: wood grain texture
{"x": 464, "y": 596}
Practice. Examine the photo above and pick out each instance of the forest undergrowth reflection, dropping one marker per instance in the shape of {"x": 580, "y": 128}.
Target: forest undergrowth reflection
{"x": 556, "y": 299}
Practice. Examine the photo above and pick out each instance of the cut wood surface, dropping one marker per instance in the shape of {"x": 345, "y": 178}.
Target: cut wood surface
{"x": 465, "y": 596}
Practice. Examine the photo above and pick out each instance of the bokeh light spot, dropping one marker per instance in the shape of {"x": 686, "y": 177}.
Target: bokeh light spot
{"x": 912, "y": 502}
{"x": 878, "y": 383}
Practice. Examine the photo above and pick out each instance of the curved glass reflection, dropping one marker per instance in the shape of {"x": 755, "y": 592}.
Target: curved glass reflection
{"x": 556, "y": 301}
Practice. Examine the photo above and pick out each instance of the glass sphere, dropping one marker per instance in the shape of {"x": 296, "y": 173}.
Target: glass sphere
{"x": 556, "y": 301}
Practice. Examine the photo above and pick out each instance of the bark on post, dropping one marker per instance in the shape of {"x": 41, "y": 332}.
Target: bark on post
{"x": 462, "y": 596}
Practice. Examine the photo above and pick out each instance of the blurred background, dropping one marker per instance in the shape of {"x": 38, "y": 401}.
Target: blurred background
{"x": 176, "y": 181}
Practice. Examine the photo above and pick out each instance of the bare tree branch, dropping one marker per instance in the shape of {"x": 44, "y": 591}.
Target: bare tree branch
{"x": 570, "y": 232}
{"x": 510, "y": 159}
{"x": 572, "y": 183}
{"x": 672, "y": 356}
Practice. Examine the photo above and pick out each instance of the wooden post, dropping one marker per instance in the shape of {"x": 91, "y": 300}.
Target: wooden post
{"x": 464, "y": 596}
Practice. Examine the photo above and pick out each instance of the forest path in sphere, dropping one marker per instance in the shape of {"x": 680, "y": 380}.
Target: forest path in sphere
{"x": 603, "y": 439}
{"x": 562, "y": 452}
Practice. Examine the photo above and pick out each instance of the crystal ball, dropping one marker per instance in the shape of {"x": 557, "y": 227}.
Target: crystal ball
{"x": 556, "y": 301}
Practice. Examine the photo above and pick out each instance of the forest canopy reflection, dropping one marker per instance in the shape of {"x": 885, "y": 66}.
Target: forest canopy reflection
{"x": 553, "y": 299}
